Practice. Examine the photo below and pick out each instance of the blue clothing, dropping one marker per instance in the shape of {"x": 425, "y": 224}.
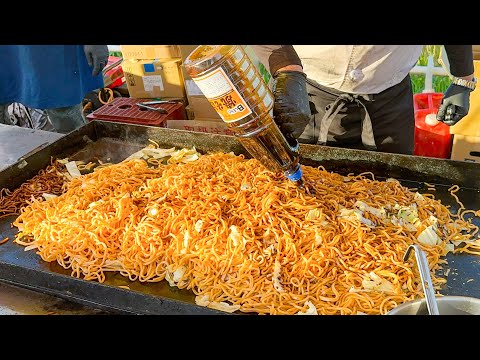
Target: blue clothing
{"x": 45, "y": 76}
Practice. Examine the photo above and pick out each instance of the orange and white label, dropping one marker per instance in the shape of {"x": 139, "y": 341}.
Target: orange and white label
{"x": 222, "y": 94}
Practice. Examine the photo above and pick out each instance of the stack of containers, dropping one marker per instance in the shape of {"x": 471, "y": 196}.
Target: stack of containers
{"x": 466, "y": 133}
{"x": 153, "y": 71}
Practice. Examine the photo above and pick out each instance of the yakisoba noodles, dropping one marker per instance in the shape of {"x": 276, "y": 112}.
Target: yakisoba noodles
{"x": 243, "y": 238}
{"x": 49, "y": 180}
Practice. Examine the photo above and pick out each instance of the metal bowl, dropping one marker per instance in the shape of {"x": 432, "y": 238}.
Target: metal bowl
{"x": 447, "y": 305}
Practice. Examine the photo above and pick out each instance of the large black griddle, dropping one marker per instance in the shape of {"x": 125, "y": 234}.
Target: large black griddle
{"x": 109, "y": 141}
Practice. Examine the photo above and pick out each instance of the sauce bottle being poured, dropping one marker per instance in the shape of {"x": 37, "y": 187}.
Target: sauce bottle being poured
{"x": 234, "y": 87}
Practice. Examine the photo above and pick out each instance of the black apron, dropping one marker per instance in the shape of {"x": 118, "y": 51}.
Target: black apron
{"x": 384, "y": 122}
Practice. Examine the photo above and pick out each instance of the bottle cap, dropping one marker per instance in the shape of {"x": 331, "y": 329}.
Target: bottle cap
{"x": 431, "y": 119}
{"x": 297, "y": 175}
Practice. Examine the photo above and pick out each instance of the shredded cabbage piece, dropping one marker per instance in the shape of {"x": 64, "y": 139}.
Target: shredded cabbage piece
{"x": 313, "y": 214}
{"x": 158, "y": 153}
{"x": 429, "y": 237}
{"x": 268, "y": 251}
{"x": 174, "y": 277}
{"x": 30, "y": 247}
{"x": 407, "y": 217}
{"x": 183, "y": 155}
{"x": 355, "y": 214}
{"x": 114, "y": 265}
{"x": 73, "y": 169}
{"x": 276, "y": 277}
{"x": 392, "y": 180}
{"x": 449, "y": 248}
{"x": 312, "y": 310}
{"x": 378, "y": 284}
{"x": 204, "y": 300}
{"x": 418, "y": 197}
{"x": 186, "y": 238}
{"x": 318, "y": 237}
{"x": 48, "y": 196}
{"x": 235, "y": 235}
{"x": 223, "y": 306}
{"x": 136, "y": 155}
{"x": 380, "y": 213}
{"x": 198, "y": 225}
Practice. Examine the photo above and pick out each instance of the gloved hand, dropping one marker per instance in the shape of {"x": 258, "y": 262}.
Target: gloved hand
{"x": 455, "y": 104}
{"x": 291, "y": 110}
{"x": 97, "y": 57}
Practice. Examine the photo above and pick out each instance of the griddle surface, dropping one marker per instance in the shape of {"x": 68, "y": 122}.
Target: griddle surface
{"x": 25, "y": 268}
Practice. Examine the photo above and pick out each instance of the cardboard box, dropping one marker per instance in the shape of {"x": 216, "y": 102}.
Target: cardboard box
{"x": 476, "y": 52}
{"x": 202, "y": 108}
{"x": 209, "y": 119}
{"x": 466, "y": 148}
{"x": 197, "y": 102}
{"x": 185, "y": 50}
{"x": 470, "y": 124}
{"x": 212, "y": 127}
{"x": 186, "y": 76}
{"x": 189, "y": 112}
{"x": 138, "y": 52}
{"x": 153, "y": 78}
{"x": 192, "y": 89}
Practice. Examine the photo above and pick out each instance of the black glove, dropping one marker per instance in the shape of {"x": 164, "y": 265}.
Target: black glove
{"x": 455, "y": 104}
{"x": 291, "y": 110}
{"x": 97, "y": 57}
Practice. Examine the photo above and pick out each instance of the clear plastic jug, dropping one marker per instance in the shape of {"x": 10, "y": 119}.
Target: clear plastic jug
{"x": 234, "y": 87}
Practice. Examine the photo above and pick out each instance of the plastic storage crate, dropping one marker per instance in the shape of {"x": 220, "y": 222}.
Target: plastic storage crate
{"x": 126, "y": 110}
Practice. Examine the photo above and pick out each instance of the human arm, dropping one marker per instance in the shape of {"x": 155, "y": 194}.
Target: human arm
{"x": 456, "y": 99}
{"x": 291, "y": 108}
{"x": 97, "y": 57}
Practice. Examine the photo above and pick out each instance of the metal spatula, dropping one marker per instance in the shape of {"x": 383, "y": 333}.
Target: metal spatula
{"x": 427, "y": 285}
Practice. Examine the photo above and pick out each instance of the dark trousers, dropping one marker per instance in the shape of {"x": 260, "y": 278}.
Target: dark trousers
{"x": 64, "y": 119}
{"x": 383, "y": 122}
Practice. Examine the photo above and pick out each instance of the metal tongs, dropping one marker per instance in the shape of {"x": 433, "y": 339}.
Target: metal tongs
{"x": 159, "y": 109}
{"x": 425, "y": 277}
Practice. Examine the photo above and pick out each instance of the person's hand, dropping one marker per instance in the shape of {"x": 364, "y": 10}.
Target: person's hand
{"x": 97, "y": 57}
{"x": 455, "y": 104}
{"x": 291, "y": 110}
